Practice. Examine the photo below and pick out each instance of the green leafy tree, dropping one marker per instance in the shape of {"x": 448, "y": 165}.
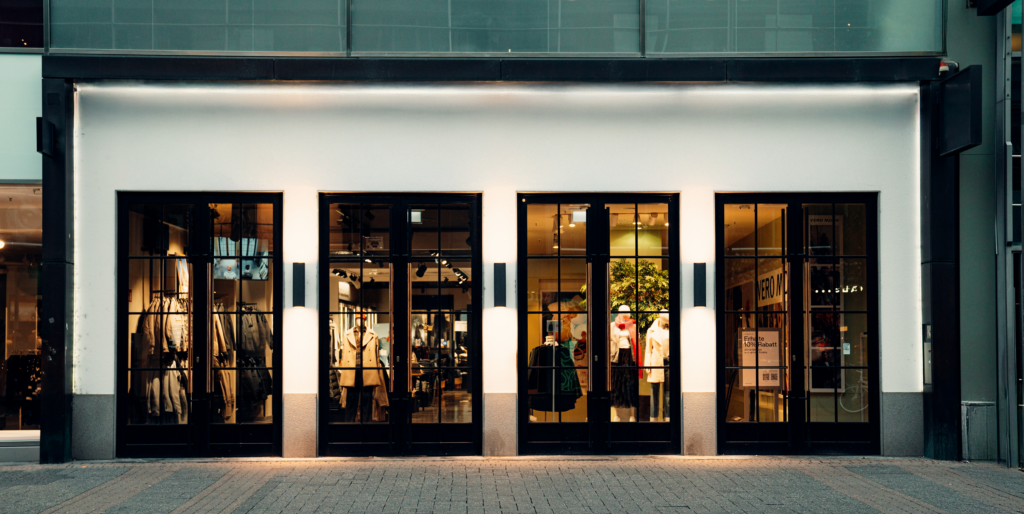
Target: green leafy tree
{"x": 651, "y": 295}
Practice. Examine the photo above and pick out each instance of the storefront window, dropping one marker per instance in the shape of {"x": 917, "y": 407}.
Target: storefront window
{"x": 402, "y": 325}
{"x": 203, "y": 325}
{"x": 597, "y": 335}
{"x": 798, "y": 318}
{"x": 21, "y": 233}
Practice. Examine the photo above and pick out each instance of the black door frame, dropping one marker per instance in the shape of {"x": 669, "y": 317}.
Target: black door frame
{"x": 598, "y": 435}
{"x": 340, "y": 439}
{"x": 201, "y": 438}
{"x": 799, "y": 437}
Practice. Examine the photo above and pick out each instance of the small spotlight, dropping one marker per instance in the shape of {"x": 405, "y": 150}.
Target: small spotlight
{"x": 421, "y": 270}
{"x": 368, "y": 215}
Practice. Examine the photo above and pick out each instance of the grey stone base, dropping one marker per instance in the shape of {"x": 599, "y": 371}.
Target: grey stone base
{"x": 92, "y": 427}
{"x": 699, "y": 424}
{"x": 902, "y": 424}
{"x": 299, "y": 426}
{"x": 20, "y": 453}
{"x": 500, "y": 424}
{"x": 979, "y": 425}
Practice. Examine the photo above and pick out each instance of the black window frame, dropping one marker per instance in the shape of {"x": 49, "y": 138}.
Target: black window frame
{"x": 467, "y": 438}
{"x": 243, "y": 440}
{"x": 785, "y": 438}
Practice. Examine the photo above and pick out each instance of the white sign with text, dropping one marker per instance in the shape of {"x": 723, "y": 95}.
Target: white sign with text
{"x": 765, "y": 342}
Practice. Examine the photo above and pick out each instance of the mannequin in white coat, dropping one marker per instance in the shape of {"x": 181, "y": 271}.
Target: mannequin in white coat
{"x": 656, "y": 354}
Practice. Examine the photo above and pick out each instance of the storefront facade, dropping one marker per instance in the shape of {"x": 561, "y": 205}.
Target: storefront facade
{"x": 383, "y": 209}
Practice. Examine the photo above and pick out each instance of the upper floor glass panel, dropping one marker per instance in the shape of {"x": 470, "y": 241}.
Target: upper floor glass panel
{"x": 501, "y": 27}
{"x": 21, "y": 24}
{"x": 795, "y": 26}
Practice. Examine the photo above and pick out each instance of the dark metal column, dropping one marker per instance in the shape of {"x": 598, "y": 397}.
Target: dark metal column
{"x": 57, "y": 278}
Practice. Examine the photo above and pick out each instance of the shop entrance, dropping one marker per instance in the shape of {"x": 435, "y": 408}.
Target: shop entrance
{"x": 199, "y": 350}
{"x": 400, "y": 301}
{"x": 598, "y": 324}
{"x": 797, "y": 308}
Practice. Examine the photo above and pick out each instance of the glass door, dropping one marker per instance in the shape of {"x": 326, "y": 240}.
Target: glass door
{"x": 401, "y": 329}
{"x": 797, "y": 323}
{"x": 596, "y": 335}
{"x": 199, "y": 297}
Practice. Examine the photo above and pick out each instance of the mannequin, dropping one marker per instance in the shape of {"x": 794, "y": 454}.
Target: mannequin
{"x": 656, "y": 354}
{"x": 622, "y": 348}
{"x": 360, "y": 353}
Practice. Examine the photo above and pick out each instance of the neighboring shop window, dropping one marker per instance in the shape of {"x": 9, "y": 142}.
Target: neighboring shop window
{"x": 21, "y": 233}
{"x": 21, "y": 24}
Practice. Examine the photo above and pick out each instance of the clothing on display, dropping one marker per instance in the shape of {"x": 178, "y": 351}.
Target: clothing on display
{"x": 222, "y": 351}
{"x": 255, "y": 384}
{"x": 161, "y": 343}
{"x": 624, "y": 355}
{"x": 656, "y": 353}
{"x": 563, "y": 383}
{"x": 363, "y": 383}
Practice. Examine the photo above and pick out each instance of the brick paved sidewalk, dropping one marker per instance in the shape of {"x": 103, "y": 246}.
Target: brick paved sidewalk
{"x": 637, "y": 485}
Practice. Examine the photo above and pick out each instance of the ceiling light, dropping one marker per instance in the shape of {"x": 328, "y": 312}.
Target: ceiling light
{"x": 654, "y": 220}
{"x": 2, "y": 243}
{"x": 421, "y": 270}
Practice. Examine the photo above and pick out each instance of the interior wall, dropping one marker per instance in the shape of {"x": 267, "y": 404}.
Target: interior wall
{"x": 497, "y": 139}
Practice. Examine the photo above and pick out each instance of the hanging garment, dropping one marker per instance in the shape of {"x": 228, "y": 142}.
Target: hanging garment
{"x": 174, "y": 392}
{"x": 176, "y": 331}
{"x": 335, "y": 358}
{"x": 380, "y": 402}
{"x": 147, "y": 344}
{"x": 624, "y": 380}
{"x": 656, "y": 352}
{"x": 563, "y": 384}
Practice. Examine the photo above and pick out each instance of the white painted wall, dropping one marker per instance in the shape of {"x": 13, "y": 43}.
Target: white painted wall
{"x": 498, "y": 139}
{"x": 21, "y": 91}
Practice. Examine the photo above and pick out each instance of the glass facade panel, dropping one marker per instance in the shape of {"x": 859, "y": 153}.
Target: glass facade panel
{"x": 517, "y": 27}
{"x": 20, "y": 258}
{"x": 199, "y": 25}
{"x": 502, "y": 26}
{"x": 794, "y": 26}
